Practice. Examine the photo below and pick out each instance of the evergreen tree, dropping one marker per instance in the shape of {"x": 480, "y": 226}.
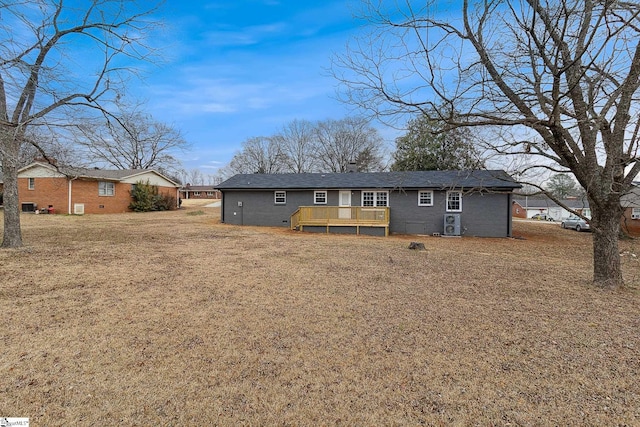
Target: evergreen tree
{"x": 426, "y": 146}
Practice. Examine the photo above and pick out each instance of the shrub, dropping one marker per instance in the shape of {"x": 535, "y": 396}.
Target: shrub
{"x": 146, "y": 198}
{"x": 143, "y": 194}
{"x": 164, "y": 202}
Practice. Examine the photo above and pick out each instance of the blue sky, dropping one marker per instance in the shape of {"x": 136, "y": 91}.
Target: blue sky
{"x": 239, "y": 69}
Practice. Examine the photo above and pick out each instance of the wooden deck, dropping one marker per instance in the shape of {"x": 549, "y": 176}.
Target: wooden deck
{"x": 338, "y": 216}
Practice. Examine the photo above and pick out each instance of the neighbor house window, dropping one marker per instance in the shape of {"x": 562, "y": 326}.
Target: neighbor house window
{"x": 209, "y": 193}
{"x": 320, "y": 197}
{"x": 425, "y": 198}
{"x": 454, "y": 201}
{"x": 106, "y": 188}
{"x": 280, "y": 197}
{"x": 196, "y": 194}
{"x": 375, "y": 198}
{"x": 32, "y": 183}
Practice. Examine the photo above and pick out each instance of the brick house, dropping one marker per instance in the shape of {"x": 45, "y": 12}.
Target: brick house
{"x": 199, "y": 192}
{"x": 81, "y": 190}
{"x": 630, "y": 222}
{"x": 528, "y": 206}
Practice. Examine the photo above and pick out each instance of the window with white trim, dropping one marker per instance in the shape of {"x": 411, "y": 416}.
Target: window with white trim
{"x": 375, "y": 198}
{"x": 196, "y": 194}
{"x": 320, "y": 197}
{"x": 106, "y": 188}
{"x": 280, "y": 197}
{"x": 32, "y": 183}
{"x": 425, "y": 198}
{"x": 210, "y": 193}
{"x": 454, "y": 201}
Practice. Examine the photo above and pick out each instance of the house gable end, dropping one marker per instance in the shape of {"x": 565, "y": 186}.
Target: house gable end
{"x": 40, "y": 170}
{"x": 153, "y": 177}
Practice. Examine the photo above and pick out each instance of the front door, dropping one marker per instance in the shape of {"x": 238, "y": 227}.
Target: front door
{"x": 344, "y": 211}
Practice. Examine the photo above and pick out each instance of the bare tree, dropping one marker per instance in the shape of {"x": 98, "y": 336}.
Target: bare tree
{"x": 350, "y": 140}
{"x": 47, "y": 51}
{"x": 195, "y": 177}
{"x": 48, "y": 145}
{"x": 130, "y": 139}
{"x": 297, "y": 143}
{"x": 214, "y": 179}
{"x": 562, "y": 76}
{"x": 258, "y": 155}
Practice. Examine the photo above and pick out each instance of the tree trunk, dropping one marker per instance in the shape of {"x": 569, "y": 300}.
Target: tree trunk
{"x": 607, "y": 270}
{"x": 12, "y": 237}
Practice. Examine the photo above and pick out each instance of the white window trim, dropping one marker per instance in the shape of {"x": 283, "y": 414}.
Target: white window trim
{"x": 375, "y": 198}
{"x": 425, "y": 191}
{"x": 315, "y": 197}
{"x": 32, "y": 183}
{"x": 447, "y": 201}
{"x": 283, "y": 195}
{"x": 106, "y": 193}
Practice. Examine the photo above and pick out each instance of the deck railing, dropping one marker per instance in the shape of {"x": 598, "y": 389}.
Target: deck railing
{"x": 339, "y": 216}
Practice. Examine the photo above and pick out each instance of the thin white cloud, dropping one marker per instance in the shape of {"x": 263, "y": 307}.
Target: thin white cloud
{"x": 213, "y": 108}
{"x": 243, "y": 36}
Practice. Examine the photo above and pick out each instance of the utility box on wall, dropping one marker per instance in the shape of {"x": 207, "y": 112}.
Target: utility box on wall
{"x": 451, "y": 224}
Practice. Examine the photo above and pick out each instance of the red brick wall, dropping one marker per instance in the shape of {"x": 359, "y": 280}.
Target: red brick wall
{"x": 630, "y": 226}
{"x": 86, "y": 192}
{"x": 46, "y": 191}
{"x": 518, "y": 211}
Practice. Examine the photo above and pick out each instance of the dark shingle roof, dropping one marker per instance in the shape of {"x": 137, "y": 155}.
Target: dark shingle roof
{"x": 198, "y": 188}
{"x": 494, "y": 179}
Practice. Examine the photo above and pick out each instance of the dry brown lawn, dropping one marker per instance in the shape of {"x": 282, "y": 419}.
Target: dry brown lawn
{"x": 175, "y": 319}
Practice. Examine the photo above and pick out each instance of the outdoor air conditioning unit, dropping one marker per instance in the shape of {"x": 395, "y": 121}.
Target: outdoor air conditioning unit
{"x": 635, "y": 216}
{"x": 451, "y": 224}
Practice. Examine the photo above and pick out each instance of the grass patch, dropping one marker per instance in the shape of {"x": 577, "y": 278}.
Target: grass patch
{"x": 162, "y": 318}
{"x": 196, "y": 213}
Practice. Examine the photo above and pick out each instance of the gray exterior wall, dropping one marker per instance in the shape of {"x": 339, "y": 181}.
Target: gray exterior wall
{"x": 483, "y": 214}
{"x": 259, "y": 207}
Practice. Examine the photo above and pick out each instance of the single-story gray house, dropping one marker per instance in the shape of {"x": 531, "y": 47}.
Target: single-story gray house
{"x": 473, "y": 203}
